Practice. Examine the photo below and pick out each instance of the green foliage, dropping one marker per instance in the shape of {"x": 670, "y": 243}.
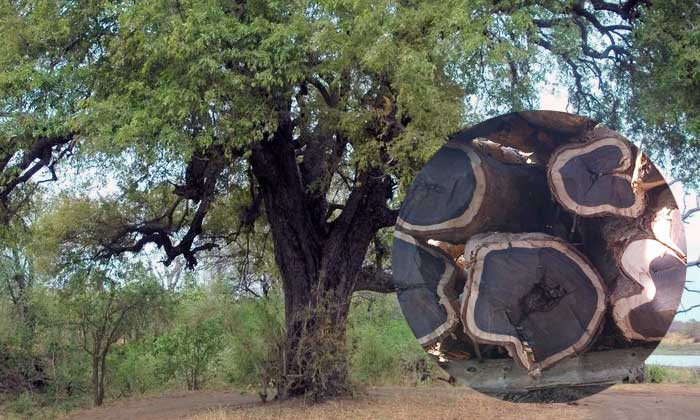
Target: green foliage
{"x": 664, "y": 103}
{"x": 177, "y": 76}
{"x": 655, "y": 374}
{"x": 384, "y": 349}
{"x": 191, "y": 348}
{"x": 255, "y": 328}
{"x": 136, "y": 370}
{"x": 144, "y": 85}
{"x": 662, "y": 374}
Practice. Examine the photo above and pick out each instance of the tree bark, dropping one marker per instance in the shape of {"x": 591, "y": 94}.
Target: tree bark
{"x": 319, "y": 262}
{"x": 536, "y": 132}
{"x": 98, "y": 370}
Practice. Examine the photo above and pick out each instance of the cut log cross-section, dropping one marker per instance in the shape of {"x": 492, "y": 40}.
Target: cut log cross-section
{"x": 660, "y": 272}
{"x": 595, "y": 178}
{"x": 651, "y": 256}
{"x": 532, "y": 293}
{"x": 425, "y": 279}
{"x": 462, "y": 191}
{"x": 535, "y": 238}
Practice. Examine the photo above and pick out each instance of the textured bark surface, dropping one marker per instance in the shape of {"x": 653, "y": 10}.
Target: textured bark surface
{"x": 532, "y": 132}
{"x": 532, "y": 293}
{"x": 319, "y": 262}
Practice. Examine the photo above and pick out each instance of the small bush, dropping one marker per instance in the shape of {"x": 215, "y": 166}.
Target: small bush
{"x": 383, "y": 348}
{"x": 135, "y": 371}
{"x": 190, "y": 350}
{"x": 655, "y": 374}
{"x": 254, "y": 329}
{"x": 672, "y": 375}
{"x": 25, "y": 403}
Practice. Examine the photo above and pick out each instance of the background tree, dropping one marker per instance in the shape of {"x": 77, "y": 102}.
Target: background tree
{"x": 42, "y": 90}
{"x": 316, "y": 112}
{"x": 101, "y": 306}
{"x": 192, "y": 348}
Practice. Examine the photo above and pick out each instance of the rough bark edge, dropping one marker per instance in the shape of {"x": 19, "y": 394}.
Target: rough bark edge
{"x": 471, "y": 212}
{"x": 556, "y": 184}
{"x": 557, "y": 121}
{"x": 529, "y": 131}
{"x": 447, "y": 280}
{"x": 475, "y": 253}
{"x": 645, "y": 175}
{"x": 662, "y": 224}
{"x": 623, "y": 306}
{"x": 501, "y": 153}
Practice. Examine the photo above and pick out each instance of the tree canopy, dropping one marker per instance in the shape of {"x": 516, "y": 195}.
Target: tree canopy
{"x": 200, "y": 114}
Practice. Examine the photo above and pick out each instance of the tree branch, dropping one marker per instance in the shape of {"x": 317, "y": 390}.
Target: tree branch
{"x": 374, "y": 280}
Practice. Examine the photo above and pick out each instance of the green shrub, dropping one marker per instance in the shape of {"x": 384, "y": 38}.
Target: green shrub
{"x": 24, "y": 404}
{"x": 135, "y": 371}
{"x": 254, "y": 330}
{"x": 673, "y": 375}
{"x": 190, "y": 350}
{"x": 655, "y": 374}
{"x": 383, "y": 348}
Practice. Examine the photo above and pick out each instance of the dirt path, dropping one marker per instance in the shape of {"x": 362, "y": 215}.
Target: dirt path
{"x": 169, "y": 406}
{"x": 645, "y": 402}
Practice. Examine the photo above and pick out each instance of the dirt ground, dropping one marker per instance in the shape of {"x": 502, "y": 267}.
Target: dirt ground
{"x": 647, "y": 402}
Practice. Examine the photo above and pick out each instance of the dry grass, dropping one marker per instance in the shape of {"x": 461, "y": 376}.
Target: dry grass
{"x": 404, "y": 403}
{"x": 677, "y": 339}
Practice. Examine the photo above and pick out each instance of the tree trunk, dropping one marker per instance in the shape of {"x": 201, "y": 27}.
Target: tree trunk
{"x": 101, "y": 385}
{"x": 314, "y": 357}
{"x": 98, "y": 385}
{"x": 319, "y": 265}
{"x": 472, "y": 191}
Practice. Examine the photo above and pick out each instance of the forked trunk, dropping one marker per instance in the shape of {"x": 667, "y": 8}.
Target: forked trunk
{"x": 319, "y": 263}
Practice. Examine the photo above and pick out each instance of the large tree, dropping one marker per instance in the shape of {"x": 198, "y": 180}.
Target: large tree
{"x": 309, "y": 117}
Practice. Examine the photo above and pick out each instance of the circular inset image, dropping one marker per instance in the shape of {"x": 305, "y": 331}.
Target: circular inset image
{"x": 539, "y": 256}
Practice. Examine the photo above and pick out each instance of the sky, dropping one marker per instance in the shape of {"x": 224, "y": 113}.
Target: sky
{"x": 556, "y": 100}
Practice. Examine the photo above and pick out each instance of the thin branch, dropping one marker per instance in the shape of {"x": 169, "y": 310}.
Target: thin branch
{"x": 687, "y": 309}
{"x": 690, "y": 212}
